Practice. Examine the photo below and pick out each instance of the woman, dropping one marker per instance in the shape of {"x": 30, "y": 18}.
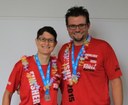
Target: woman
{"x": 36, "y": 76}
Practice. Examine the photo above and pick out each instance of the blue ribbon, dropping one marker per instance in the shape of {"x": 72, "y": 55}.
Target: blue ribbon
{"x": 75, "y": 63}
{"x": 46, "y": 80}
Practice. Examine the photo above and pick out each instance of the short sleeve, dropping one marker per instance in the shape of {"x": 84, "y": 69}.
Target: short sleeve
{"x": 15, "y": 77}
{"x": 111, "y": 63}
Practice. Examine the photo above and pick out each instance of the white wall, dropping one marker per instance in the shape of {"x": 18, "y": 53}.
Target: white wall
{"x": 20, "y": 20}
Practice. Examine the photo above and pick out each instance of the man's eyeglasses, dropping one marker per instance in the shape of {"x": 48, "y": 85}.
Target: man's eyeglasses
{"x": 80, "y": 26}
{"x": 44, "y": 40}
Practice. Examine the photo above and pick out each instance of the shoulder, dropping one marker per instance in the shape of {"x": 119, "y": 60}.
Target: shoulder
{"x": 64, "y": 46}
{"x": 53, "y": 57}
{"x": 27, "y": 58}
{"x": 100, "y": 43}
{"x": 101, "y": 46}
{"x": 24, "y": 59}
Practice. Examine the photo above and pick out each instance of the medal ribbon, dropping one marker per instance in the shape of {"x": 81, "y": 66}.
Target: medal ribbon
{"x": 47, "y": 79}
{"x": 75, "y": 63}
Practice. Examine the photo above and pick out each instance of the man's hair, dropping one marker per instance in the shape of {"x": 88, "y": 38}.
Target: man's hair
{"x": 77, "y": 11}
{"x": 48, "y": 29}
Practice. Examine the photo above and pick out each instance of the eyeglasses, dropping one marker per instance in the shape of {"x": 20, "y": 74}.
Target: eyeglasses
{"x": 44, "y": 40}
{"x": 80, "y": 26}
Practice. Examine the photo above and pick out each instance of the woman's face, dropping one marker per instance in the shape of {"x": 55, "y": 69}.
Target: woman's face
{"x": 45, "y": 43}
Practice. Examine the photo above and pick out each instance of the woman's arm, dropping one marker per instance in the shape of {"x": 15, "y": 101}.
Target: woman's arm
{"x": 7, "y": 98}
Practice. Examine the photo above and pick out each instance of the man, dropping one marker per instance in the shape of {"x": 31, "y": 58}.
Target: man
{"x": 87, "y": 65}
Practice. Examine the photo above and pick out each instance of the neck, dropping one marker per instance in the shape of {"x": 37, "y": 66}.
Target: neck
{"x": 44, "y": 59}
{"x": 78, "y": 43}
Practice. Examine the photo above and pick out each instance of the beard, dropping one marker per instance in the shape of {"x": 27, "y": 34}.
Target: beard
{"x": 79, "y": 39}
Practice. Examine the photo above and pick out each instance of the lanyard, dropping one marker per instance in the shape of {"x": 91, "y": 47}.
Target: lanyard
{"x": 47, "y": 79}
{"x": 75, "y": 63}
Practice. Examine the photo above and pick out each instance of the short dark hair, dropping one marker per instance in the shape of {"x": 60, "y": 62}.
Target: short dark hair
{"x": 77, "y": 11}
{"x": 48, "y": 29}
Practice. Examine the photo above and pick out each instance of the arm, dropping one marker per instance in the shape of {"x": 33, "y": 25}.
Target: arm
{"x": 7, "y": 98}
{"x": 117, "y": 91}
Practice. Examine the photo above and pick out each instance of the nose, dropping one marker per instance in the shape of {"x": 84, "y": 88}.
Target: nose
{"x": 46, "y": 42}
{"x": 77, "y": 29}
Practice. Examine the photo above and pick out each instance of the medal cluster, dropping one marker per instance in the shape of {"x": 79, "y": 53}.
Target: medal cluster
{"x": 73, "y": 77}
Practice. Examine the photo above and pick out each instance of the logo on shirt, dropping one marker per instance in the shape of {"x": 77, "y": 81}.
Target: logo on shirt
{"x": 90, "y": 62}
{"x": 9, "y": 83}
{"x": 117, "y": 68}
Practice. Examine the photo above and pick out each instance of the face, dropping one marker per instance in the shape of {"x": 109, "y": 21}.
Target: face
{"x": 45, "y": 43}
{"x": 78, "y": 29}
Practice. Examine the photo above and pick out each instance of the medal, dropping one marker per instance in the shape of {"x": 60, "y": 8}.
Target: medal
{"x": 46, "y": 80}
{"x": 47, "y": 97}
{"x": 70, "y": 82}
{"x": 75, "y": 63}
{"x": 74, "y": 78}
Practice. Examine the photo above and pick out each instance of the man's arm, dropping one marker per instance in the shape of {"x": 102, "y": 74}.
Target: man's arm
{"x": 117, "y": 91}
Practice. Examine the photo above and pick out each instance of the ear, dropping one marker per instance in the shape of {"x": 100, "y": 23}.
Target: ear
{"x": 56, "y": 43}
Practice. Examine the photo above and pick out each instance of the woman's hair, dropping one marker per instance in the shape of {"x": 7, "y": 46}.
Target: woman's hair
{"x": 48, "y": 29}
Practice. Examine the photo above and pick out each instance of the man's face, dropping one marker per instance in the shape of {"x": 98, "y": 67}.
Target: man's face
{"x": 77, "y": 29}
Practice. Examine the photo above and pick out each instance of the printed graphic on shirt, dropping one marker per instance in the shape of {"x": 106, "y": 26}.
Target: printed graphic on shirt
{"x": 90, "y": 62}
{"x": 9, "y": 83}
{"x": 34, "y": 87}
{"x": 70, "y": 93}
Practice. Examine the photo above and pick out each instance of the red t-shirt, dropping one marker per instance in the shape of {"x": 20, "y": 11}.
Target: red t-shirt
{"x": 99, "y": 66}
{"x": 26, "y": 79}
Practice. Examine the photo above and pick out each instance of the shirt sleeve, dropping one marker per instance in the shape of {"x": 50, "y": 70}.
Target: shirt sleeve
{"x": 15, "y": 77}
{"x": 111, "y": 63}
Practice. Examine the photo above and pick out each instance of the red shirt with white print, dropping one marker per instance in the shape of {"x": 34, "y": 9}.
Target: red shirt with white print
{"x": 98, "y": 67}
{"x": 28, "y": 93}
